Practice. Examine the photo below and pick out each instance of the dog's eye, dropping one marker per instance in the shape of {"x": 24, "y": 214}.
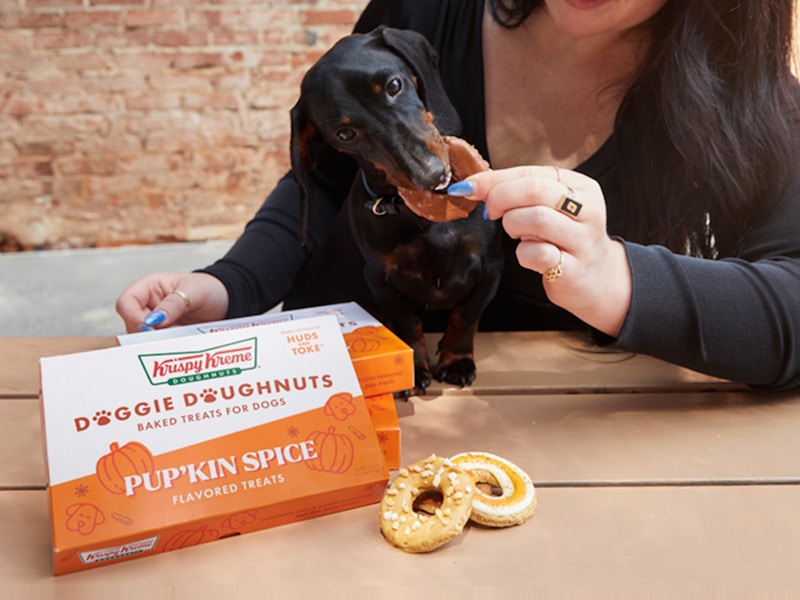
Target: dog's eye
{"x": 346, "y": 134}
{"x": 394, "y": 86}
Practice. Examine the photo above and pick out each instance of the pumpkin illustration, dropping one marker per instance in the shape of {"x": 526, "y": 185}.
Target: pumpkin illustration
{"x": 131, "y": 459}
{"x": 191, "y": 537}
{"x": 367, "y": 330}
{"x": 340, "y": 406}
{"x": 364, "y": 339}
{"x": 334, "y": 451}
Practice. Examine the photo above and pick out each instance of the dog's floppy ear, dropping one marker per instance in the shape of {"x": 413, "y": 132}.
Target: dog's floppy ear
{"x": 303, "y": 160}
{"x": 424, "y": 62}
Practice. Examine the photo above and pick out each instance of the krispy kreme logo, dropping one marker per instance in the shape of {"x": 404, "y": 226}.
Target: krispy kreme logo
{"x": 96, "y": 556}
{"x": 175, "y": 368}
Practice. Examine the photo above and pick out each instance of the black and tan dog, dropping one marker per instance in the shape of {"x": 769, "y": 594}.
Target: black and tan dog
{"x": 379, "y": 98}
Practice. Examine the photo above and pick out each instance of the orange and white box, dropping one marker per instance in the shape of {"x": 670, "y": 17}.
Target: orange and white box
{"x": 383, "y": 362}
{"x": 160, "y": 446}
{"x": 383, "y": 413}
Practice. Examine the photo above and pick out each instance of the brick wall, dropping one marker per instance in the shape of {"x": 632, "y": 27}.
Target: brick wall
{"x": 140, "y": 121}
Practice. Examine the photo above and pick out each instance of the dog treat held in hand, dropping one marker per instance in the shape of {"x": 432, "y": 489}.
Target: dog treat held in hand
{"x": 438, "y": 206}
{"x": 414, "y": 531}
{"x": 517, "y": 501}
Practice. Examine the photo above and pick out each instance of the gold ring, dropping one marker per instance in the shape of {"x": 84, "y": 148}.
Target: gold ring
{"x": 568, "y": 203}
{"x": 187, "y": 303}
{"x": 556, "y": 271}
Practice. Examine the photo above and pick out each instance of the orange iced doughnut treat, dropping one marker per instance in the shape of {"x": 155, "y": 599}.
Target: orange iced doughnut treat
{"x": 413, "y": 531}
{"x": 514, "y": 506}
{"x": 438, "y": 206}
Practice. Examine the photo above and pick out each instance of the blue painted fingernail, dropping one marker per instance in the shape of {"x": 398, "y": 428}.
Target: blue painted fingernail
{"x": 485, "y": 213}
{"x": 145, "y": 328}
{"x": 461, "y": 188}
{"x": 155, "y": 317}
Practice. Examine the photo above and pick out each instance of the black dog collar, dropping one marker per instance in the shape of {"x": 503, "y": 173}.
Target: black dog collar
{"x": 379, "y": 205}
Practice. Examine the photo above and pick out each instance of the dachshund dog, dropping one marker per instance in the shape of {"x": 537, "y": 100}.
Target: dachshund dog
{"x": 378, "y": 97}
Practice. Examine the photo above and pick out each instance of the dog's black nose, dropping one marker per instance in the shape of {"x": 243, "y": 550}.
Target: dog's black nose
{"x": 433, "y": 174}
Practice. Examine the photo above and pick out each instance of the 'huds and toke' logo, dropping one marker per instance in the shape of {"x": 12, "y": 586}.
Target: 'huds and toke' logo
{"x": 175, "y": 368}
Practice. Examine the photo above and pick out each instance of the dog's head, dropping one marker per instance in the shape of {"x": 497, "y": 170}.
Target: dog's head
{"x": 379, "y": 98}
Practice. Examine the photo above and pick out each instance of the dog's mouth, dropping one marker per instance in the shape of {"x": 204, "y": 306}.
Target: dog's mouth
{"x": 434, "y": 204}
{"x": 405, "y": 182}
{"x": 440, "y": 189}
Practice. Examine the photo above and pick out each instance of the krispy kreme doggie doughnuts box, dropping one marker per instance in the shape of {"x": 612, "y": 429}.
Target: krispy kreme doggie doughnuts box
{"x": 159, "y": 446}
{"x": 383, "y": 362}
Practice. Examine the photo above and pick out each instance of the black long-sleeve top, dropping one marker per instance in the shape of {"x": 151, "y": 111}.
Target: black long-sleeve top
{"x": 735, "y": 317}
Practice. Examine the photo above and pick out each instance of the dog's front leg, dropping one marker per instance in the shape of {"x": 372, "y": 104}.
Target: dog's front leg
{"x": 456, "y": 348}
{"x": 403, "y": 321}
{"x": 412, "y": 334}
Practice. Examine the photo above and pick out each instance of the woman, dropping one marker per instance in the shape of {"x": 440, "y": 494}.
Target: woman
{"x": 671, "y": 124}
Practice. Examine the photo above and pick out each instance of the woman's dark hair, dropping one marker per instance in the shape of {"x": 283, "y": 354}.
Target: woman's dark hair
{"x": 707, "y": 132}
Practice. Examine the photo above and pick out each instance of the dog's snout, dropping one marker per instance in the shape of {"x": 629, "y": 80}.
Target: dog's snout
{"x": 433, "y": 174}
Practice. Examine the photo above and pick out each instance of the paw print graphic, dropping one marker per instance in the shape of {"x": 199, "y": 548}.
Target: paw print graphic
{"x": 208, "y": 395}
{"x": 102, "y": 417}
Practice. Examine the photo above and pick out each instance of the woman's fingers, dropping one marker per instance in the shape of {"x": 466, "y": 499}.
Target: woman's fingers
{"x": 164, "y": 299}
{"x": 559, "y": 218}
{"x": 506, "y": 189}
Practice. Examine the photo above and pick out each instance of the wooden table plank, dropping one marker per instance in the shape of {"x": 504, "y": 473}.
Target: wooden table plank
{"x": 21, "y": 446}
{"x": 602, "y": 543}
{"x": 569, "y": 362}
{"x": 573, "y": 439}
{"x": 19, "y": 367}
{"x": 517, "y": 362}
{"x": 616, "y": 438}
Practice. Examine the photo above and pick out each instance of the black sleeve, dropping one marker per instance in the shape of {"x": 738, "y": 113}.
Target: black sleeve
{"x": 260, "y": 268}
{"x": 735, "y": 318}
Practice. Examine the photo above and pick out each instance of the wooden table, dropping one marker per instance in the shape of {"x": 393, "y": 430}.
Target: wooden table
{"x": 653, "y": 481}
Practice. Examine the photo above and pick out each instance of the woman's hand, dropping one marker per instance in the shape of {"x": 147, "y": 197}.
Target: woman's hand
{"x": 584, "y": 270}
{"x": 166, "y": 299}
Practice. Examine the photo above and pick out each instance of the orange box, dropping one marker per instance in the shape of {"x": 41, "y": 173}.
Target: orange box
{"x": 383, "y": 413}
{"x": 160, "y": 446}
{"x": 383, "y": 362}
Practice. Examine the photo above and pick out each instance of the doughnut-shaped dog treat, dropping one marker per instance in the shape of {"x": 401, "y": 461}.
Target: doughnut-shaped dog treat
{"x": 465, "y": 160}
{"x": 514, "y": 506}
{"x": 413, "y": 531}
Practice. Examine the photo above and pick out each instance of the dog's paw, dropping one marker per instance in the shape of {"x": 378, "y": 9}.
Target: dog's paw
{"x": 422, "y": 379}
{"x": 460, "y": 371}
